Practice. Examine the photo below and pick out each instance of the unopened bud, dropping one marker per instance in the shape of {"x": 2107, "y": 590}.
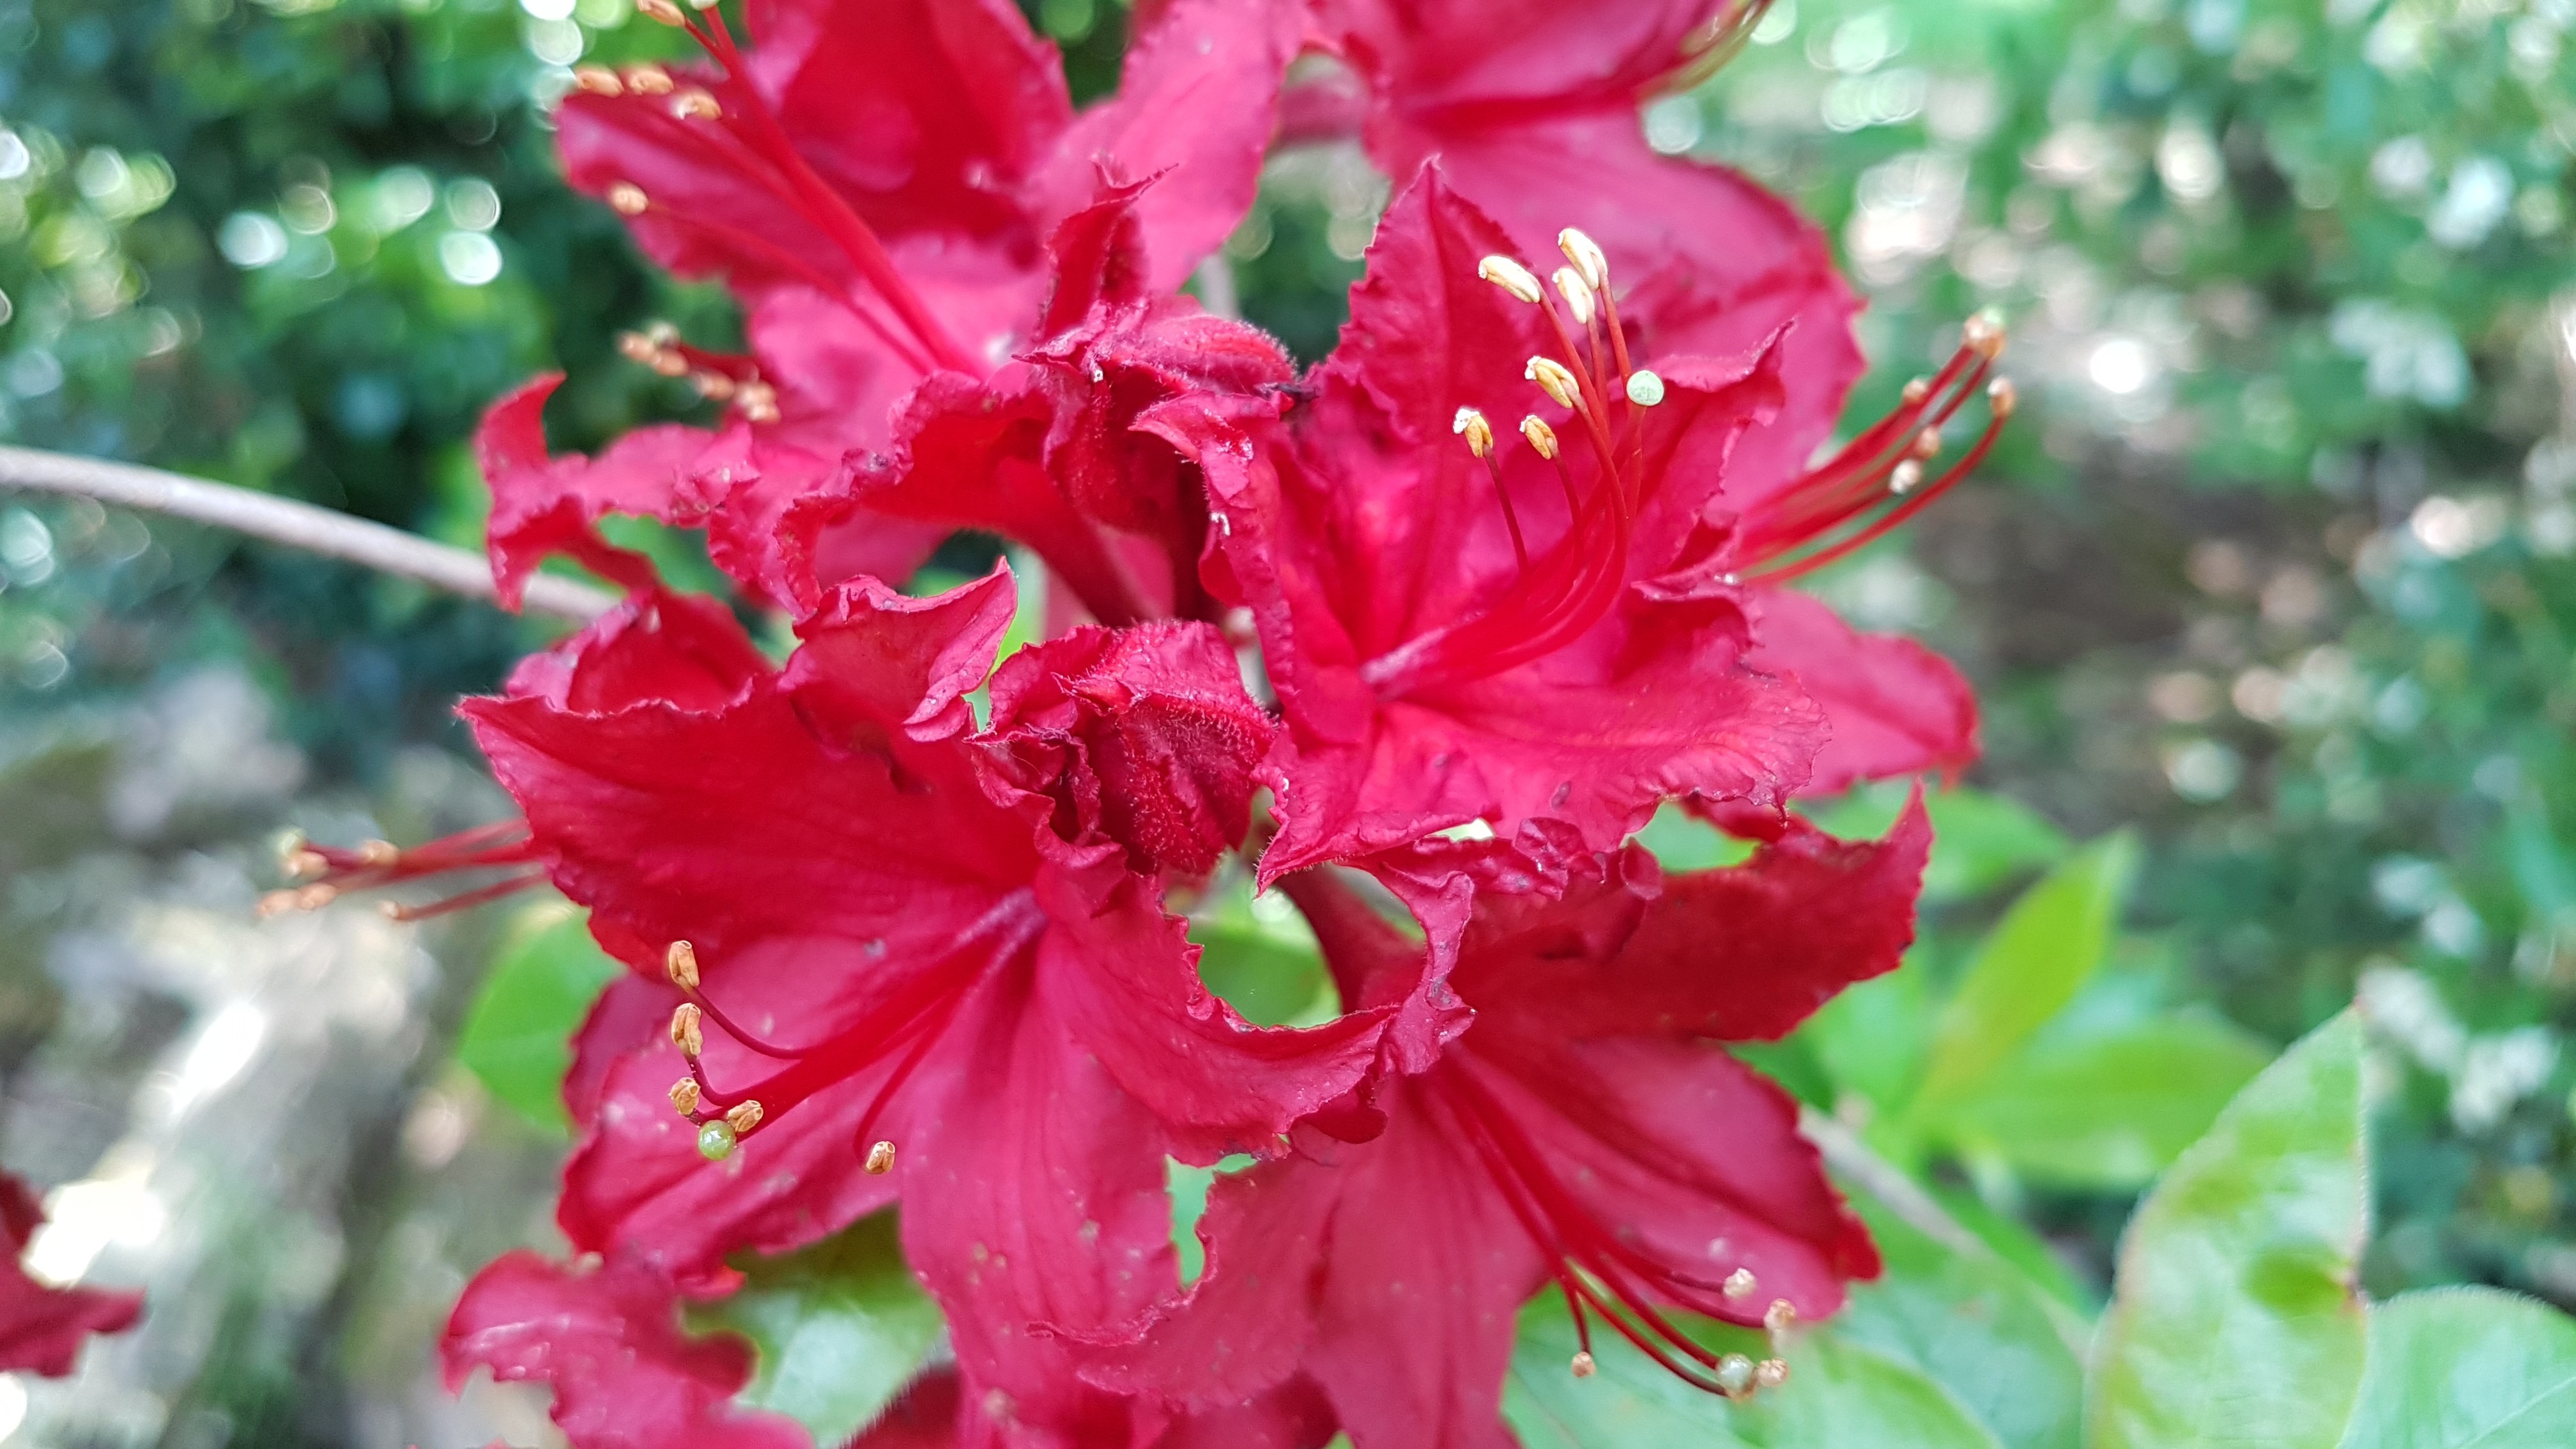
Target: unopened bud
{"x": 1583, "y": 1365}
{"x": 684, "y": 1096}
{"x": 1740, "y": 1285}
{"x": 661, "y": 10}
{"x": 1511, "y": 276}
{"x": 1983, "y": 334}
{"x": 686, "y": 1034}
{"x": 1471, "y": 425}
{"x": 1586, "y": 255}
{"x": 744, "y": 1117}
{"x": 1771, "y": 1373}
{"x": 680, "y": 963}
{"x": 1556, "y": 381}
{"x": 881, "y": 1159}
{"x": 649, "y": 80}
{"x": 598, "y": 80}
{"x": 1577, "y": 294}
{"x": 695, "y": 104}
{"x": 1645, "y": 389}
{"x": 628, "y": 199}
{"x": 1541, "y": 436}
{"x": 2001, "y": 396}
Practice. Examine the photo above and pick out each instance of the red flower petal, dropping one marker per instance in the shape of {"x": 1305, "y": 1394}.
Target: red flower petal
{"x": 42, "y": 1328}
{"x": 1895, "y": 707}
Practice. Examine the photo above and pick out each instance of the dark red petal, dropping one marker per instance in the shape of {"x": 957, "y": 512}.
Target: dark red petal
{"x": 657, "y": 647}
{"x": 874, "y": 659}
{"x": 1743, "y": 953}
{"x": 1894, "y": 707}
{"x": 1195, "y": 106}
{"x": 925, "y": 1417}
{"x": 608, "y": 1340}
{"x": 543, "y": 505}
{"x": 1034, "y": 1205}
{"x": 42, "y": 1328}
{"x": 1144, "y": 736}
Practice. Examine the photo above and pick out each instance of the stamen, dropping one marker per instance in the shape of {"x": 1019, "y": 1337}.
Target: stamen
{"x": 684, "y": 1096}
{"x": 1778, "y": 1318}
{"x": 880, "y": 1159}
{"x": 716, "y": 1140}
{"x": 1471, "y": 425}
{"x": 649, "y": 80}
{"x": 662, "y": 11}
{"x": 1740, "y": 1285}
{"x": 743, "y": 1117}
{"x": 686, "y": 1032}
{"x": 628, "y": 199}
{"x": 680, "y": 963}
{"x": 1576, "y": 292}
{"x": 1542, "y": 438}
{"x": 1586, "y": 255}
{"x": 1735, "y": 1375}
{"x": 598, "y": 80}
{"x": 1512, "y": 277}
{"x": 695, "y": 104}
{"x": 1771, "y": 1373}
{"x": 1556, "y": 380}
{"x": 713, "y": 386}
{"x": 1479, "y": 434}
{"x": 1583, "y": 1366}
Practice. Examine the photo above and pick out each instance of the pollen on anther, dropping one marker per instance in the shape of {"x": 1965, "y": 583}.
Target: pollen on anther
{"x": 881, "y": 1159}
{"x": 598, "y": 80}
{"x": 1541, "y": 436}
{"x": 662, "y": 11}
{"x": 1556, "y": 381}
{"x": 1577, "y": 294}
{"x": 1983, "y": 334}
{"x": 690, "y": 1038}
{"x": 684, "y": 1095}
{"x": 1512, "y": 277}
{"x": 744, "y": 1117}
{"x": 1902, "y": 478}
{"x": 1645, "y": 389}
{"x": 1771, "y": 1373}
{"x": 2001, "y": 396}
{"x": 304, "y": 864}
{"x": 1917, "y": 389}
{"x": 680, "y": 963}
{"x": 713, "y": 386}
{"x": 1740, "y": 1284}
{"x": 758, "y": 401}
{"x": 1471, "y": 425}
{"x": 1779, "y": 1316}
{"x": 1735, "y": 1375}
{"x": 694, "y": 104}
{"x": 1926, "y": 443}
{"x": 1583, "y": 1366}
{"x": 1586, "y": 255}
{"x": 649, "y": 80}
{"x": 628, "y": 199}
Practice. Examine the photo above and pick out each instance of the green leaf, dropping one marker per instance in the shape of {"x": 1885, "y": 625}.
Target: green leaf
{"x": 1979, "y": 841}
{"x": 1683, "y": 841}
{"x": 2235, "y": 1320}
{"x": 1870, "y": 1037}
{"x": 841, "y": 1327}
{"x": 2460, "y": 1367}
{"x": 1840, "y": 1395}
{"x": 517, "y": 1037}
{"x": 2106, "y": 1110}
{"x": 2028, "y": 968}
{"x": 1977, "y": 1326}
{"x": 1259, "y": 956}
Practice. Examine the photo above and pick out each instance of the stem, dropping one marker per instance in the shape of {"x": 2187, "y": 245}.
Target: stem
{"x": 297, "y": 525}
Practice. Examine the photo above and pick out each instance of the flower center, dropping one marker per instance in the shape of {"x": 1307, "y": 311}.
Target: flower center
{"x": 732, "y": 126}
{"x": 1600, "y": 1273}
{"x": 330, "y": 872}
{"x": 902, "y": 1028}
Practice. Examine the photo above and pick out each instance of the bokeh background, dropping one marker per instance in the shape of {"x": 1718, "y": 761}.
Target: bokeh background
{"x": 2270, "y": 595}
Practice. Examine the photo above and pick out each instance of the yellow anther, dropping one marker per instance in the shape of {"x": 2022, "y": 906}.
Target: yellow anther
{"x": 1471, "y": 425}
{"x": 743, "y": 1117}
{"x": 713, "y": 386}
{"x": 1902, "y": 478}
{"x": 598, "y": 80}
{"x": 661, "y": 10}
{"x": 703, "y": 4}
{"x": 681, "y": 964}
{"x": 649, "y": 80}
{"x": 684, "y": 1095}
{"x": 1511, "y": 276}
{"x": 669, "y": 364}
{"x": 2001, "y": 396}
{"x": 1983, "y": 334}
{"x": 685, "y": 1031}
{"x": 303, "y": 864}
{"x": 1541, "y": 436}
{"x": 1556, "y": 381}
{"x": 881, "y": 1159}
{"x": 1577, "y": 294}
{"x": 695, "y": 104}
{"x": 1586, "y": 255}
{"x": 1645, "y": 389}
{"x": 628, "y": 199}
{"x": 1739, "y": 1285}
{"x": 315, "y": 897}
{"x": 1583, "y": 1366}
{"x": 1771, "y": 1373}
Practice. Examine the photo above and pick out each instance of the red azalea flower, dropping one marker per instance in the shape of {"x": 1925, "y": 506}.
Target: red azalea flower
{"x": 942, "y": 261}
{"x": 880, "y": 982}
{"x": 42, "y": 1328}
{"x": 1463, "y": 631}
{"x": 1585, "y": 1131}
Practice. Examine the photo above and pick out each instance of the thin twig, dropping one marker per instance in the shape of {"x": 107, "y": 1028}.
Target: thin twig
{"x": 297, "y": 525}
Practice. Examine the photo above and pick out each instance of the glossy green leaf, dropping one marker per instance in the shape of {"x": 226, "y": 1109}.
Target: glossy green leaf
{"x": 1840, "y": 1395}
{"x": 2235, "y": 1320}
{"x": 2110, "y": 1109}
{"x": 1870, "y": 1038}
{"x": 841, "y": 1327}
{"x": 2467, "y": 1368}
{"x": 2028, "y": 968}
{"x": 1978, "y": 1327}
{"x": 1683, "y": 841}
{"x": 1980, "y": 841}
{"x": 517, "y": 1037}
{"x": 1260, "y": 957}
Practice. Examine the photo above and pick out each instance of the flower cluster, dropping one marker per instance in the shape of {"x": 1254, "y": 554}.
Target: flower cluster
{"x": 1422, "y": 636}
